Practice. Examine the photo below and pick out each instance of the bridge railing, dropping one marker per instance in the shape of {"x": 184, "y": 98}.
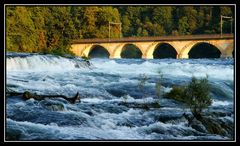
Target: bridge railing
{"x": 155, "y": 38}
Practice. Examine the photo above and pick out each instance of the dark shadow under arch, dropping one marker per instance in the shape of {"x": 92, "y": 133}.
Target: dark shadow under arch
{"x": 204, "y": 50}
{"x": 98, "y": 51}
{"x": 164, "y": 50}
{"x": 131, "y": 51}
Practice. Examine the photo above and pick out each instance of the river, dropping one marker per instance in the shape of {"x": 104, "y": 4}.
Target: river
{"x": 109, "y": 91}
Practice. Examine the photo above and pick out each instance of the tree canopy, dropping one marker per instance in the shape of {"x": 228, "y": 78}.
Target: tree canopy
{"x": 50, "y": 29}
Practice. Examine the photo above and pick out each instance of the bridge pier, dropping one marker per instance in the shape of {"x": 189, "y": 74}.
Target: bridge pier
{"x": 226, "y": 56}
{"x": 182, "y": 56}
{"x": 177, "y": 56}
{"x": 147, "y": 56}
{"x": 113, "y": 56}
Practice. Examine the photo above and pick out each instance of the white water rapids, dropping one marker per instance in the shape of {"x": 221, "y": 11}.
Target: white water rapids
{"x": 104, "y": 88}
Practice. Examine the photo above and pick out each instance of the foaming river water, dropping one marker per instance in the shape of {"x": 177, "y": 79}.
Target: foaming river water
{"x": 110, "y": 96}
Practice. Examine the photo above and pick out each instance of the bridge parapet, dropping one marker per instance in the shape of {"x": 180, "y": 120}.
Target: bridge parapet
{"x": 155, "y": 38}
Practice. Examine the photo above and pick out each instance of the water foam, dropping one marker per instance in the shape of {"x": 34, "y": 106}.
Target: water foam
{"x": 174, "y": 68}
{"x": 41, "y": 63}
{"x": 220, "y": 103}
{"x": 168, "y": 68}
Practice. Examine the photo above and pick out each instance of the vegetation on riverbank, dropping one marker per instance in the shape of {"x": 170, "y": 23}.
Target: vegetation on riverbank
{"x": 50, "y": 29}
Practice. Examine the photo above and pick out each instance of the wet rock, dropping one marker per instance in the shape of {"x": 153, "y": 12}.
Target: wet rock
{"x": 12, "y": 134}
{"x": 52, "y": 106}
{"x": 218, "y": 114}
{"x": 229, "y": 128}
{"x": 213, "y": 126}
{"x": 197, "y": 125}
{"x": 77, "y": 66}
{"x": 116, "y": 92}
{"x": 27, "y": 95}
{"x": 145, "y": 106}
{"x": 89, "y": 113}
{"x": 168, "y": 118}
{"x": 209, "y": 125}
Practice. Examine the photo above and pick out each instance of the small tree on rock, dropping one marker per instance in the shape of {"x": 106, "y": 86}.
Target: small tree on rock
{"x": 197, "y": 95}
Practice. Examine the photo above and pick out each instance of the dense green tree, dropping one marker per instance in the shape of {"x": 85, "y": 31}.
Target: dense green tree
{"x": 89, "y": 21}
{"x": 134, "y": 16}
{"x": 139, "y": 31}
{"x": 163, "y": 16}
{"x": 204, "y": 18}
{"x": 187, "y": 23}
{"x": 106, "y": 15}
{"x": 21, "y": 30}
{"x": 126, "y": 25}
{"x": 183, "y": 26}
{"x": 77, "y": 15}
{"x": 38, "y": 16}
{"x": 60, "y": 29}
{"x": 158, "y": 30}
{"x": 191, "y": 14}
{"x": 144, "y": 32}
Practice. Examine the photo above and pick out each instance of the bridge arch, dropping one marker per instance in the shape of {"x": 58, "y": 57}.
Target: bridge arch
{"x": 154, "y": 46}
{"x": 89, "y": 49}
{"x": 187, "y": 48}
{"x": 119, "y": 49}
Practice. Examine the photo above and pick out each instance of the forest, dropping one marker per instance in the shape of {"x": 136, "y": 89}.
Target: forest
{"x": 50, "y": 29}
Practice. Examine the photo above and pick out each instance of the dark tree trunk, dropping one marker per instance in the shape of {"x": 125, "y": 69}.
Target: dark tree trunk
{"x": 27, "y": 95}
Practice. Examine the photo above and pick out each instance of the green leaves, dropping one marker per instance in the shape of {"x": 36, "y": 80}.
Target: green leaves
{"x": 20, "y": 30}
{"x": 163, "y": 17}
{"x": 196, "y": 94}
{"x": 183, "y": 26}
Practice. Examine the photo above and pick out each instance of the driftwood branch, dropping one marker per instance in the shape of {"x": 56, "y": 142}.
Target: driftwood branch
{"x": 27, "y": 95}
{"x": 10, "y": 92}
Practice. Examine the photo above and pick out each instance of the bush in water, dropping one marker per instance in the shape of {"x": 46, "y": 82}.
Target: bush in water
{"x": 195, "y": 95}
{"x": 176, "y": 93}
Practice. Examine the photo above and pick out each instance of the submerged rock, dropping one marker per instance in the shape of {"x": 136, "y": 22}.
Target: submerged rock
{"x": 27, "y": 95}
{"x": 52, "y": 105}
{"x": 213, "y": 126}
{"x": 116, "y": 92}
{"x": 210, "y": 125}
{"x": 197, "y": 125}
{"x": 12, "y": 134}
{"x": 145, "y": 106}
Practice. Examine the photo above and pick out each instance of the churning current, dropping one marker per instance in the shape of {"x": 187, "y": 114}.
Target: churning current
{"x": 110, "y": 98}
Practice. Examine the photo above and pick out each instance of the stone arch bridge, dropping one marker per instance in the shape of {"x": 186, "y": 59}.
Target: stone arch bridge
{"x": 147, "y": 45}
